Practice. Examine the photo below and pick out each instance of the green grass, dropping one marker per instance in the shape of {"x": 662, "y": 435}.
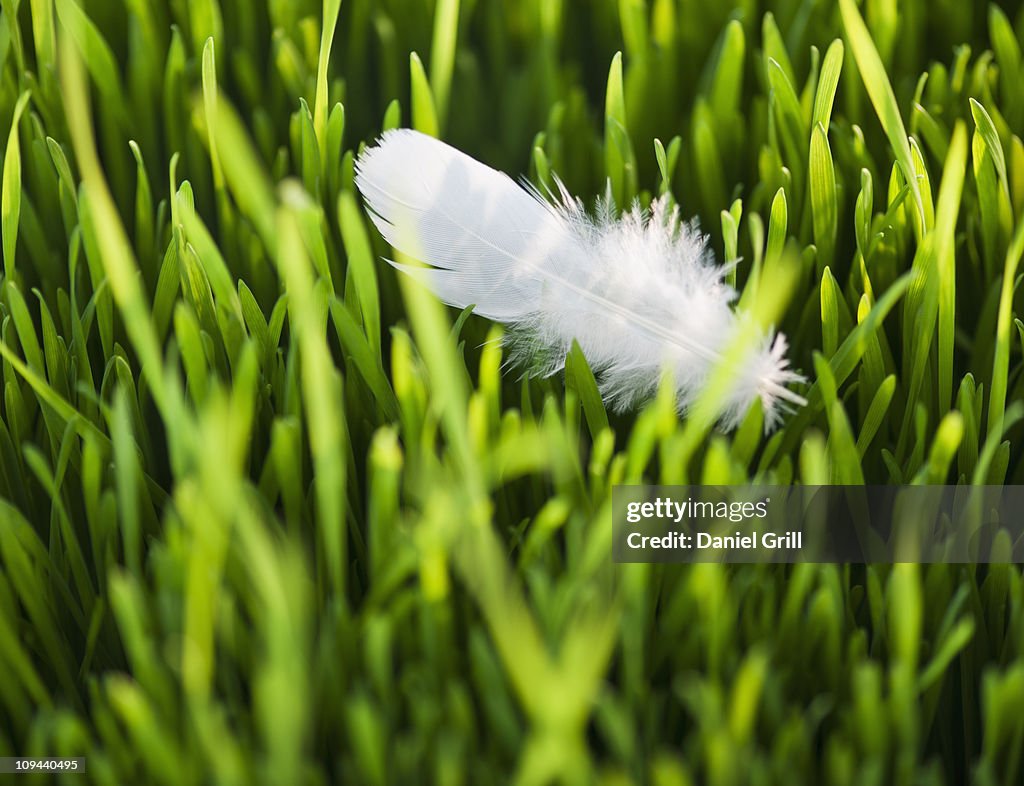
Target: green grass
{"x": 270, "y": 514}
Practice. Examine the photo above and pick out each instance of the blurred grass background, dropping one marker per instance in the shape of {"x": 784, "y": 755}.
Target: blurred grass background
{"x": 269, "y": 514}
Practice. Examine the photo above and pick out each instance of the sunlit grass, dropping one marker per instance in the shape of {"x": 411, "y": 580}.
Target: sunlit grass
{"x": 270, "y": 514}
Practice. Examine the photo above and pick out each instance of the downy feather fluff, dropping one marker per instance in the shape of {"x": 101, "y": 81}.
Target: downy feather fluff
{"x": 640, "y": 293}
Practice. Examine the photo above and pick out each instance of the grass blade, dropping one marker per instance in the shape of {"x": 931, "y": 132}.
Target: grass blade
{"x": 875, "y": 79}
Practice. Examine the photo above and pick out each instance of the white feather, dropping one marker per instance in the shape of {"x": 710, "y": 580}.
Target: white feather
{"x": 640, "y": 294}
